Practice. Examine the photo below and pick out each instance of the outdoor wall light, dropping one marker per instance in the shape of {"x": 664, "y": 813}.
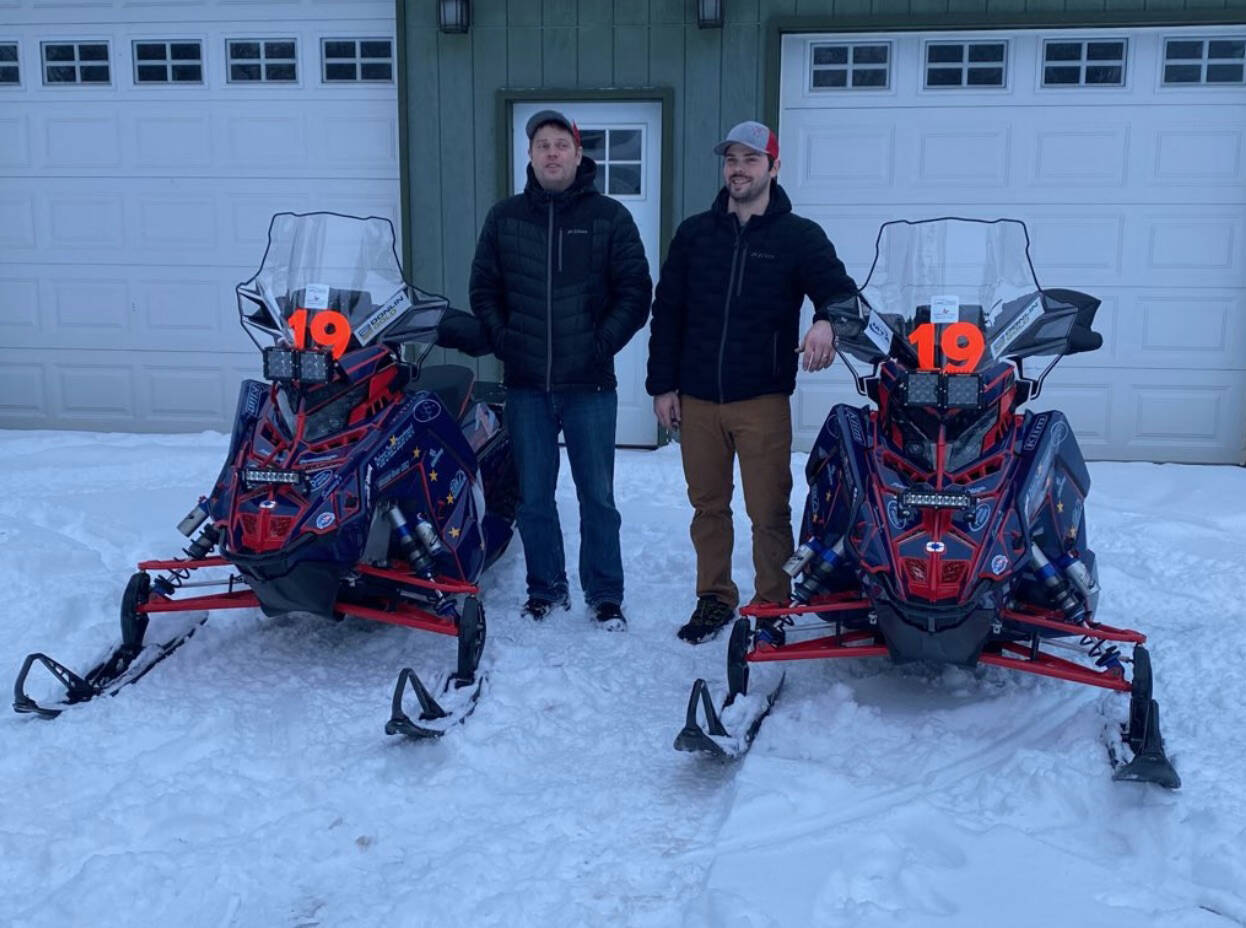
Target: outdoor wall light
{"x": 453, "y": 15}
{"x": 710, "y": 14}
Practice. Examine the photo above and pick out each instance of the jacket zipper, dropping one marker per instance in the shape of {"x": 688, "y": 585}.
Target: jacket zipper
{"x": 549, "y": 301}
{"x": 722, "y": 344}
{"x": 561, "y": 234}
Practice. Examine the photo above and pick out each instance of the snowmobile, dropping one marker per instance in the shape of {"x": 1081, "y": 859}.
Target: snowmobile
{"x": 357, "y": 482}
{"x": 941, "y": 525}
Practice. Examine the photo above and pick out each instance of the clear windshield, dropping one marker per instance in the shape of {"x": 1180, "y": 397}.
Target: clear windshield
{"x": 328, "y": 262}
{"x": 946, "y": 271}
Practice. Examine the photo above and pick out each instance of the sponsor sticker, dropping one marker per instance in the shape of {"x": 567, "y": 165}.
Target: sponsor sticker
{"x": 1001, "y": 342}
{"x": 316, "y": 296}
{"x": 944, "y": 309}
{"x": 426, "y": 410}
{"x": 324, "y": 520}
{"x": 879, "y": 333}
{"x": 999, "y": 564}
{"x": 390, "y": 310}
{"x": 935, "y": 547}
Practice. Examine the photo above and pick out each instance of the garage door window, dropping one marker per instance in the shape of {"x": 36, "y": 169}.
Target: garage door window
{"x": 966, "y": 64}
{"x": 1099, "y": 62}
{"x": 1205, "y": 61}
{"x": 851, "y": 66}
{"x": 354, "y": 60}
{"x": 175, "y": 62}
{"x": 269, "y": 61}
{"x": 75, "y": 63}
{"x": 10, "y": 76}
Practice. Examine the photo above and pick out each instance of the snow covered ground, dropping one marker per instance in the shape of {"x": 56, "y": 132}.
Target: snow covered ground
{"x": 247, "y": 781}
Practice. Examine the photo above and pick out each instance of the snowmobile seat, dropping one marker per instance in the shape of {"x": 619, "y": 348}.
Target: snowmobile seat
{"x": 452, "y": 382}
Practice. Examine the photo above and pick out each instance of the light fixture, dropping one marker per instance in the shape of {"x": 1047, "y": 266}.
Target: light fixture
{"x": 710, "y": 14}
{"x": 453, "y": 15}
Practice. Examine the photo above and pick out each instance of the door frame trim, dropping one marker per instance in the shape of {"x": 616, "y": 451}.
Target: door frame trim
{"x": 505, "y": 106}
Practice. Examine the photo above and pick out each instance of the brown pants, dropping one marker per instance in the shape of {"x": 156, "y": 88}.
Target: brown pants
{"x": 759, "y": 431}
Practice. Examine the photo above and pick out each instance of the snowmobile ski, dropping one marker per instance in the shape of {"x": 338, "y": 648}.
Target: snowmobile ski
{"x": 1142, "y": 737}
{"x": 128, "y": 663}
{"x": 742, "y": 710}
{"x": 458, "y": 701}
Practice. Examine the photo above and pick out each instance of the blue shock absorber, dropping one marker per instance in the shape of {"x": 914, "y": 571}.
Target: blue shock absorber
{"x": 819, "y": 563}
{"x": 1053, "y": 581}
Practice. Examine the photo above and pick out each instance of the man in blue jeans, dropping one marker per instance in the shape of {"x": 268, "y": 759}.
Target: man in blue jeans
{"x": 561, "y": 283}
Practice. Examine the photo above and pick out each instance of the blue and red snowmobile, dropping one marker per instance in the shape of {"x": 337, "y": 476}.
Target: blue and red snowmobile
{"x": 941, "y": 525}
{"x": 357, "y": 483}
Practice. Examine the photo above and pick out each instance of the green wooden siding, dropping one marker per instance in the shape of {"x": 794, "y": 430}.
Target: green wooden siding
{"x": 454, "y": 145}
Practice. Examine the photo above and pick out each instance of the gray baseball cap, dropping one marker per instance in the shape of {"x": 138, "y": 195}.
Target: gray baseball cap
{"x": 752, "y": 135}
{"x": 545, "y": 117}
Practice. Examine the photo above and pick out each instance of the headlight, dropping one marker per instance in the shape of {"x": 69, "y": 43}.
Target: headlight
{"x": 305, "y": 366}
{"x": 963, "y": 391}
{"x": 278, "y": 364}
{"x": 922, "y": 390}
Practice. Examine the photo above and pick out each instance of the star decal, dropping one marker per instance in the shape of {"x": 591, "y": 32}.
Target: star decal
{"x": 393, "y": 440}
{"x": 432, "y": 475}
{"x": 454, "y": 533}
{"x": 416, "y": 454}
{"x": 449, "y": 498}
{"x": 1072, "y": 532}
{"x": 1060, "y": 506}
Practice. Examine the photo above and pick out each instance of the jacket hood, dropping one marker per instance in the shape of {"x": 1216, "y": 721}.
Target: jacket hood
{"x": 582, "y": 185}
{"x": 779, "y": 202}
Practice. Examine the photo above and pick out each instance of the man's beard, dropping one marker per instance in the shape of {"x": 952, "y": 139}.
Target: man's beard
{"x": 750, "y": 192}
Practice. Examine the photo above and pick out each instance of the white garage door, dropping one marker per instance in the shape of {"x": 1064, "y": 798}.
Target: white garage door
{"x": 140, "y": 161}
{"x": 1124, "y": 151}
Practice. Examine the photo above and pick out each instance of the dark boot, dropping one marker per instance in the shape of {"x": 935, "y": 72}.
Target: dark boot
{"x": 709, "y": 616}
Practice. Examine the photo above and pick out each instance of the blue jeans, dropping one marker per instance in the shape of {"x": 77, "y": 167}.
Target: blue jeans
{"x": 587, "y": 420}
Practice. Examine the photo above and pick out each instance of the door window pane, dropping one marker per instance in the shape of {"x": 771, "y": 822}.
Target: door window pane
{"x": 76, "y": 63}
{"x": 272, "y": 61}
{"x": 851, "y": 65}
{"x": 1099, "y": 62}
{"x": 154, "y": 62}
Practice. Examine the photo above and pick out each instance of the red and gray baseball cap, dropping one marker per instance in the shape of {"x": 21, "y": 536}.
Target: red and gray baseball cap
{"x": 753, "y": 135}
{"x": 545, "y": 117}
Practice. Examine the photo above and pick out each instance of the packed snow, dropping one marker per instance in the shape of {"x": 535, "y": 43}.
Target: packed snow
{"x": 247, "y": 781}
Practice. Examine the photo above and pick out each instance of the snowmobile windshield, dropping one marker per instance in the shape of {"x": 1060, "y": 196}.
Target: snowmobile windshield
{"x": 334, "y": 282}
{"x": 959, "y": 296}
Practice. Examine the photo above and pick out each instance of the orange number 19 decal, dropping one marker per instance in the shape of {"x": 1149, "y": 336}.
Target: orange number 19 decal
{"x": 328, "y": 328}
{"x": 962, "y": 344}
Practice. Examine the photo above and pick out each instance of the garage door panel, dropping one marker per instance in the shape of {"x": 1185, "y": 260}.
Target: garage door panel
{"x": 73, "y": 140}
{"x": 17, "y": 221}
{"x": 94, "y": 390}
{"x": 1196, "y": 244}
{"x": 835, "y": 159}
{"x": 23, "y": 394}
{"x": 15, "y": 149}
{"x": 966, "y": 155}
{"x": 1090, "y": 155}
{"x": 174, "y": 142}
{"x": 1196, "y": 330}
{"x": 1184, "y": 412}
{"x": 80, "y": 224}
{"x": 168, "y": 223}
{"x": 1193, "y": 155}
{"x": 19, "y": 305}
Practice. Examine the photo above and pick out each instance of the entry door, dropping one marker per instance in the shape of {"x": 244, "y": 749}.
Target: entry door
{"x": 625, "y": 139}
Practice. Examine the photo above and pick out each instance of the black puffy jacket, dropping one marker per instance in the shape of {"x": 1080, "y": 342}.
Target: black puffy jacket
{"x": 561, "y": 283}
{"x": 726, "y": 316}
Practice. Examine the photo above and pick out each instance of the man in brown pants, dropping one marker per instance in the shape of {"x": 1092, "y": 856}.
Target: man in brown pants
{"x": 722, "y": 363}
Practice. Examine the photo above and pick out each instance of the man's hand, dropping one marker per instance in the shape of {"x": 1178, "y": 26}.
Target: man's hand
{"x": 666, "y": 408}
{"x": 817, "y": 348}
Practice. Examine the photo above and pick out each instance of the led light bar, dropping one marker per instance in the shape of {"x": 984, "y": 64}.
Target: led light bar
{"x": 258, "y": 476}
{"x": 935, "y": 499}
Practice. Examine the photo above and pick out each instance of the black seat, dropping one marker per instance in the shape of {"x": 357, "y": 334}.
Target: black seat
{"x": 451, "y": 382}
